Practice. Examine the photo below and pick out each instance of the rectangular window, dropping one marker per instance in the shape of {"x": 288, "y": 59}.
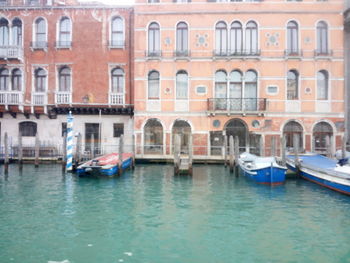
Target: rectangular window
{"x": 64, "y": 128}
{"x": 118, "y": 129}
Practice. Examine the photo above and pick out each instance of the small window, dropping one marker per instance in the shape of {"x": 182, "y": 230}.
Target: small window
{"x": 28, "y": 128}
{"x": 64, "y": 128}
{"x": 272, "y": 90}
{"x": 201, "y": 90}
{"x": 118, "y": 129}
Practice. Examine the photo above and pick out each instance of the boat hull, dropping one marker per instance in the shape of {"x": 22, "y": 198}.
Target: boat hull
{"x": 268, "y": 175}
{"x": 318, "y": 178}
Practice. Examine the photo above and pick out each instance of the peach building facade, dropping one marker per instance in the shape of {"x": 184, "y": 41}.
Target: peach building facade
{"x": 256, "y": 70}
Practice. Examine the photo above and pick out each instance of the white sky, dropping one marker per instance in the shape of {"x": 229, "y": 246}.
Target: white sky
{"x": 112, "y": 2}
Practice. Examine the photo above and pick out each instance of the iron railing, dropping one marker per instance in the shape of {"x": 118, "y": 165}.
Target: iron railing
{"x": 153, "y": 53}
{"x": 237, "y": 104}
{"x": 39, "y": 44}
{"x": 237, "y": 53}
{"x": 293, "y": 53}
{"x": 63, "y": 44}
{"x": 182, "y": 53}
{"x": 323, "y": 53}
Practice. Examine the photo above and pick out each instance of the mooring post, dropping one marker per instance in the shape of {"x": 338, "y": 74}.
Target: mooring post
{"x": 283, "y": 150}
{"x": 92, "y": 146}
{"x": 78, "y": 151}
{"x": 6, "y": 160}
{"x": 236, "y": 144}
{"x": 225, "y": 150}
{"x": 273, "y": 146}
{"x": 20, "y": 150}
{"x": 177, "y": 153}
{"x": 296, "y": 150}
{"x": 133, "y": 151}
{"x": 120, "y": 155}
{"x": 343, "y": 148}
{"x": 190, "y": 154}
{"x": 231, "y": 153}
{"x": 64, "y": 152}
{"x": 328, "y": 147}
{"x": 261, "y": 146}
{"x": 37, "y": 148}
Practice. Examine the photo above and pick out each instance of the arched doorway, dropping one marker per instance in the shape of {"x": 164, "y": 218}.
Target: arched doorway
{"x": 184, "y": 130}
{"x": 291, "y": 128}
{"x": 238, "y": 128}
{"x": 153, "y": 137}
{"x": 320, "y": 133}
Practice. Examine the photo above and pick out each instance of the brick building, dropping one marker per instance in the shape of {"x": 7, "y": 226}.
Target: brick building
{"x": 61, "y": 56}
{"x": 250, "y": 69}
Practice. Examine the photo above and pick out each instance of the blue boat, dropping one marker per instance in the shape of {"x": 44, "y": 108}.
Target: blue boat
{"x": 321, "y": 170}
{"x": 263, "y": 170}
{"x": 106, "y": 165}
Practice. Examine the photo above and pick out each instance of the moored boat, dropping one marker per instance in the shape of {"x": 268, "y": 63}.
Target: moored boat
{"x": 263, "y": 170}
{"x": 106, "y": 165}
{"x": 321, "y": 170}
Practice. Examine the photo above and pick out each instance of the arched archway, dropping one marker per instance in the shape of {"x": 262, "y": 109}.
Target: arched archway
{"x": 153, "y": 137}
{"x": 183, "y": 129}
{"x": 237, "y": 127}
{"x": 320, "y": 133}
{"x": 289, "y": 130}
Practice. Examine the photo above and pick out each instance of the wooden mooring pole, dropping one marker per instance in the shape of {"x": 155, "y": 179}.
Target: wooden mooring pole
{"x": 177, "y": 153}
{"x": 190, "y": 155}
{"x": 6, "y": 160}
{"x": 273, "y": 146}
{"x": 328, "y": 147}
{"x": 236, "y": 144}
{"x": 283, "y": 150}
{"x": 120, "y": 155}
{"x": 37, "y": 148}
{"x": 20, "y": 151}
{"x": 133, "y": 151}
{"x": 231, "y": 154}
{"x": 77, "y": 157}
{"x": 225, "y": 150}
{"x": 92, "y": 146}
{"x": 261, "y": 146}
{"x": 343, "y": 148}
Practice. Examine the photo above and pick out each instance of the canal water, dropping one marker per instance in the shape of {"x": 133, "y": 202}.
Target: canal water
{"x": 151, "y": 216}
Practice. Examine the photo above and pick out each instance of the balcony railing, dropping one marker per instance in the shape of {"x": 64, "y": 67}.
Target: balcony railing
{"x": 237, "y": 105}
{"x": 293, "y": 53}
{"x": 11, "y": 52}
{"x": 116, "y": 44}
{"x": 63, "y": 97}
{"x": 237, "y": 53}
{"x": 153, "y": 53}
{"x": 39, "y": 98}
{"x": 63, "y": 44}
{"x": 182, "y": 53}
{"x": 116, "y": 98}
{"x": 323, "y": 53}
{"x": 38, "y": 45}
{"x": 11, "y": 97}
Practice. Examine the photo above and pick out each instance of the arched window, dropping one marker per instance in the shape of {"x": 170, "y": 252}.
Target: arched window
{"x": 4, "y": 79}
{"x": 322, "y": 85}
{"x": 117, "y": 34}
{"x": 250, "y": 90}
{"x": 40, "y": 80}
{"x": 320, "y": 133}
{"x": 182, "y": 85}
{"x": 28, "y": 128}
{"x": 183, "y": 129}
{"x": 153, "y": 137}
{"x": 64, "y": 79}
{"x": 236, "y": 38}
{"x": 292, "y": 85}
{"x": 292, "y": 38}
{"x": 117, "y": 80}
{"x": 4, "y": 32}
{"x": 153, "y": 40}
{"x": 221, "y": 39}
{"x": 220, "y": 90}
{"x": 182, "y": 39}
{"x": 235, "y": 92}
{"x": 16, "y": 80}
{"x": 251, "y": 38}
{"x": 64, "y": 36}
{"x": 17, "y": 32}
{"x": 40, "y": 33}
{"x": 322, "y": 38}
{"x": 290, "y": 129}
{"x": 153, "y": 85}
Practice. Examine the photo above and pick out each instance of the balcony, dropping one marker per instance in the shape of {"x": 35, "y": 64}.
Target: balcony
{"x": 239, "y": 105}
{"x": 11, "y": 97}
{"x": 39, "y": 98}
{"x": 236, "y": 53}
{"x": 63, "y": 97}
{"x": 153, "y": 54}
{"x": 116, "y": 98}
{"x": 39, "y": 45}
{"x": 323, "y": 53}
{"x": 180, "y": 54}
{"x": 63, "y": 44}
{"x": 116, "y": 44}
{"x": 11, "y": 52}
{"x": 293, "y": 53}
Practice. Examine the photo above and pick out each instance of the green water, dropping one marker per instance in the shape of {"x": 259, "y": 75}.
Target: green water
{"x": 150, "y": 216}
